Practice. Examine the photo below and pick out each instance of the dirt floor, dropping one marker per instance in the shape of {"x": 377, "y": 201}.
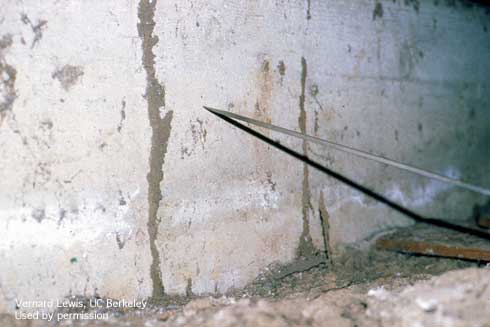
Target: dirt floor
{"x": 363, "y": 288}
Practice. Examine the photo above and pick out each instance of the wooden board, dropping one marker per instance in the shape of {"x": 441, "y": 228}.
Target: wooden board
{"x": 430, "y": 240}
{"x": 482, "y": 215}
{"x": 484, "y": 222}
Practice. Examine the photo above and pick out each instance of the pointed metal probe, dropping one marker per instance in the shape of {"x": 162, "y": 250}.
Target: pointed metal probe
{"x": 356, "y": 152}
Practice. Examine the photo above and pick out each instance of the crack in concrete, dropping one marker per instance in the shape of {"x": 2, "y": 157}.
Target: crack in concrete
{"x": 305, "y": 248}
{"x": 155, "y": 97}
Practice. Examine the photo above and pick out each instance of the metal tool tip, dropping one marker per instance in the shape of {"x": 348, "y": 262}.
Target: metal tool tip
{"x": 213, "y": 110}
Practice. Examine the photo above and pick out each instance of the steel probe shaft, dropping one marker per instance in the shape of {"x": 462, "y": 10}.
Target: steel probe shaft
{"x": 355, "y": 152}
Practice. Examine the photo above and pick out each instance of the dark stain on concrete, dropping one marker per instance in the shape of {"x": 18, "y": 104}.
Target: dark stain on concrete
{"x": 155, "y": 97}
{"x": 8, "y": 75}
{"x": 281, "y": 67}
{"x": 24, "y": 19}
{"x": 46, "y": 124}
{"x": 8, "y": 86}
{"x": 325, "y": 222}
{"x": 42, "y": 174}
{"x": 378, "y": 11}
{"x": 305, "y": 248}
{"x": 68, "y": 75}
{"x": 74, "y": 209}
{"x": 6, "y": 41}
{"x": 123, "y": 116}
{"x": 199, "y": 133}
{"x": 120, "y": 242}
{"x": 420, "y": 127}
{"x": 316, "y": 126}
{"x": 396, "y": 135}
{"x": 38, "y": 214}
{"x": 122, "y": 200}
{"x": 37, "y": 29}
{"x": 62, "y": 215}
{"x": 184, "y": 152}
{"x": 188, "y": 288}
{"x": 415, "y": 4}
{"x": 314, "y": 90}
{"x": 308, "y": 9}
{"x": 100, "y": 207}
{"x": 270, "y": 181}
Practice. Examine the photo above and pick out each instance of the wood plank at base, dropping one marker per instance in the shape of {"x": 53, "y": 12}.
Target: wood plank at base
{"x": 482, "y": 215}
{"x": 484, "y": 221}
{"x": 434, "y": 249}
{"x": 429, "y": 240}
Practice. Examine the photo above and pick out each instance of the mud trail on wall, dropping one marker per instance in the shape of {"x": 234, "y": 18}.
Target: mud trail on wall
{"x": 306, "y": 248}
{"x": 265, "y": 85}
{"x": 155, "y": 97}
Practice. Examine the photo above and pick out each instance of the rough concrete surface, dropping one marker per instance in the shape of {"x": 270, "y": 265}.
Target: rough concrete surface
{"x": 108, "y": 160}
{"x": 457, "y": 298}
{"x": 73, "y": 199}
{"x": 406, "y": 293}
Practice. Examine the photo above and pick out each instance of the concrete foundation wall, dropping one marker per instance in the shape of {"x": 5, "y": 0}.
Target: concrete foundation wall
{"x": 115, "y": 182}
